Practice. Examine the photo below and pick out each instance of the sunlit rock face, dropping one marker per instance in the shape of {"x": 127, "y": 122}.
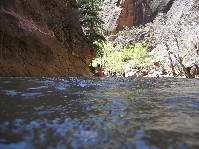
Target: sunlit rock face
{"x": 120, "y": 13}
{"x": 179, "y": 30}
{"x": 42, "y": 38}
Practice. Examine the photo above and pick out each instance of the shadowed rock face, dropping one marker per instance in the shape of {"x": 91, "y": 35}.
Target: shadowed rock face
{"x": 132, "y": 12}
{"x": 42, "y": 38}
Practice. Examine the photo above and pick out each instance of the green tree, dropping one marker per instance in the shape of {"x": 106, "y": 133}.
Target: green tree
{"x": 91, "y": 22}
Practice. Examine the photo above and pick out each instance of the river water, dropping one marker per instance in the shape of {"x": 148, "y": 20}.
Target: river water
{"x": 101, "y": 113}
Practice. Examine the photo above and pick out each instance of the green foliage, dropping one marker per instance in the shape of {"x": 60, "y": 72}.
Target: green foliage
{"x": 139, "y": 53}
{"x": 91, "y": 22}
{"x": 117, "y": 57}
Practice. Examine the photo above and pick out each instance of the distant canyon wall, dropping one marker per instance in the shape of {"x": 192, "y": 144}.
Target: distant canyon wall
{"x": 172, "y": 37}
{"x": 120, "y": 13}
{"x": 42, "y": 38}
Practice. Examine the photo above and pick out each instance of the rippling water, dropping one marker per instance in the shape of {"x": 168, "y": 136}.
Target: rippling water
{"x": 99, "y": 113}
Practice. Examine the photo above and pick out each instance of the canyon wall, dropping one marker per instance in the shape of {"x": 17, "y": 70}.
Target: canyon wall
{"x": 42, "y": 38}
{"x": 172, "y": 38}
{"x": 120, "y": 13}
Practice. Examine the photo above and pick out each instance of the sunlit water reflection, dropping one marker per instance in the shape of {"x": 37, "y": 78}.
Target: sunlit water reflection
{"x": 99, "y": 113}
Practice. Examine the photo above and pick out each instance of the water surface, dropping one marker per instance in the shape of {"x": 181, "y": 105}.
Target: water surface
{"x": 123, "y": 113}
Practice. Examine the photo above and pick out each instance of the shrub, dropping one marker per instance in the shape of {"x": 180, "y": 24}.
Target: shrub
{"x": 117, "y": 57}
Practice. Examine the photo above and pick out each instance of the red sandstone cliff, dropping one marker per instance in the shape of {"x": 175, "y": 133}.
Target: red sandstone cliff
{"x": 120, "y": 13}
{"x": 42, "y": 38}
